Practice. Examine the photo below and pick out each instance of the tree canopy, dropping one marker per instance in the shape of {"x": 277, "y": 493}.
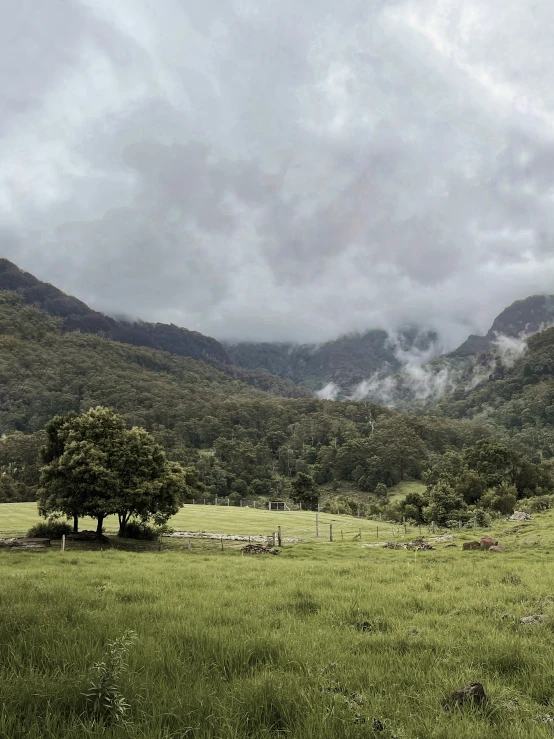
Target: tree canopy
{"x": 95, "y": 466}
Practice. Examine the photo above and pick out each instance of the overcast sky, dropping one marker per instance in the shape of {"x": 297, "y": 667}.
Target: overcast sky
{"x": 281, "y": 169}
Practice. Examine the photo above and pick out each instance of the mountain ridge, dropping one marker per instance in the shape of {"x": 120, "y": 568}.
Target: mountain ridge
{"x": 359, "y": 365}
{"x": 77, "y": 316}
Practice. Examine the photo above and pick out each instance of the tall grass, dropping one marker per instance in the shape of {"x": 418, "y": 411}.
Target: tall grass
{"x": 321, "y": 642}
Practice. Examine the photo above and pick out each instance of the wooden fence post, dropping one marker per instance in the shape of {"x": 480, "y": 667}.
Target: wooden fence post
{"x": 330, "y": 532}
{"x": 317, "y": 525}
{"x": 341, "y": 535}
{"x": 433, "y": 526}
{"x": 221, "y": 543}
{"x": 377, "y": 532}
{"x": 279, "y": 535}
{"x": 190, "y": 543}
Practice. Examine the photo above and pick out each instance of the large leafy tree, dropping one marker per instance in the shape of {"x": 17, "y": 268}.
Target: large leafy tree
{"x": 95, "y": 466}
{"x": 305, "y": 492}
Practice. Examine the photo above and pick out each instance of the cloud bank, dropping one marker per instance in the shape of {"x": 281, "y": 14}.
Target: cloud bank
{"x": 263, "y": 170}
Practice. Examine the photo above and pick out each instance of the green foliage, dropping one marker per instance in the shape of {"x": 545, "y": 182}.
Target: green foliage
{"x": 49, "y": 530}
{"x": 305, "y": 492}
{"x": 381, "y": 490}
{"x": 141, "y": 531}
{"x": 107, "y": 702}
{"x": 501, "y": 498}
{"x": 94, "y": 466}
{"x": 442, "y": 503}
{"x": 488, "y": 474}
{"x": 345, "y": 505}
{"x": 537, "y": 504}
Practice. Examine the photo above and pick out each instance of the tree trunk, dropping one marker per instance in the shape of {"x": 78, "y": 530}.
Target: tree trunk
{"x": 75, "y": 524}
{"x": 99, "y": 527}
{"x": 123, "y": 519}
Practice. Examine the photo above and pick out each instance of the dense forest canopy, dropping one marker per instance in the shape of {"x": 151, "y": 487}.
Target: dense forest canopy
{"x": 244, "y": 441}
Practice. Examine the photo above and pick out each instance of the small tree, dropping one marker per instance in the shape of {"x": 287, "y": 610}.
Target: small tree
{"x": 96, "y": 467}
{"x": 305, "y": 492}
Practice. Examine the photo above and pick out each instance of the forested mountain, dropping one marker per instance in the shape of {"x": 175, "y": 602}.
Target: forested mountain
{"x": 371, "y": 365}
{"x": 522, "y": 317}
{"x": 244, "y": 441}
{"x": 75, "y": 316}
{"x": 346, "y": 361}
{"x": 518, "y": 398}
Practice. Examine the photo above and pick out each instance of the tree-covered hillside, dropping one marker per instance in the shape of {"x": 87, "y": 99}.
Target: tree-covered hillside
{"x": 243, "y": 441}
{"x": 346, "y": 361}
{"x": 518, "y": 399}
{"x": 75, "y": 316}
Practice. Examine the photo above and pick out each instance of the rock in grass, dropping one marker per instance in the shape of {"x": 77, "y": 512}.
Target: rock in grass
{"x": 471, "y": 545}
{"x": 532, "y": 620}
{"x": 496, "y": 549}
{"x": 473, "y": 693}
{"x": 487, "y": 542}
{"x": 519, "y": 516}
{"x": 258, "y": 549}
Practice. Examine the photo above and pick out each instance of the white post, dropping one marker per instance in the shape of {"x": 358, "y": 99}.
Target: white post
{"x": 63, "y": 542}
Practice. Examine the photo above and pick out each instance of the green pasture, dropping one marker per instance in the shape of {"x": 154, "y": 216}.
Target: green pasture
{"x": 19, "y": 517}
{"x": 399, "y": 492}
{"x": 330, "y": 641}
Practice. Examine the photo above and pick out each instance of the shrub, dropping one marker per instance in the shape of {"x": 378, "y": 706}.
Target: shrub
{"x": 49, "y": 530}
{"x": 104, "y": 694}
{"x": 141, "y": 531}
{"x": 482, "y": 518}
{"x": 381, "y": 490}
{"x": 536, "y": 505}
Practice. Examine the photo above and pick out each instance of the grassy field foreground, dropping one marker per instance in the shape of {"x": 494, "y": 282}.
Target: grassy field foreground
{"x": 321, "y": 642}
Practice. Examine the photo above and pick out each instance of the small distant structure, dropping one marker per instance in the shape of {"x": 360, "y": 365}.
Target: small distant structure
{"x": 277, "y": 505}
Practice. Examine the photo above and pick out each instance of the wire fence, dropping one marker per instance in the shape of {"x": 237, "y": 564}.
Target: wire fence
{"x": 287, "y": 527}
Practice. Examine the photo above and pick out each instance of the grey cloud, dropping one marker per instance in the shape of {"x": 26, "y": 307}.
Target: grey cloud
{"x": 281, "y": 170}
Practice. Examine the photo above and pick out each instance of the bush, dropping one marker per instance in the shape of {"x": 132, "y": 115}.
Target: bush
{"x": 49, "y": 530}
{"x": 381, "y": 490}
{"x": 141, "y": 531}
{"x": 345, "y": 504}
{"x": 536, "y": 504}
{"x": 481, "y": 518}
